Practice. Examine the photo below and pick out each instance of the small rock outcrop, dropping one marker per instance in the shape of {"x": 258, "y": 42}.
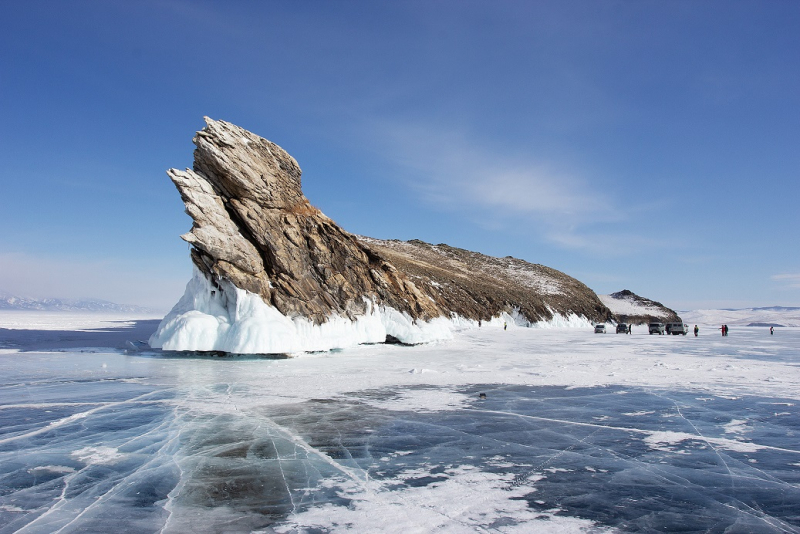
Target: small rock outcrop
{"x": 628, "y": 307}
{"x": 253, "y": 228}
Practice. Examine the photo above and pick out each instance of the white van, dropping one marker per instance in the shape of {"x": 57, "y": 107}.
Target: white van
{"x": 677, "y": 328}
{"x": 656, "y": 328}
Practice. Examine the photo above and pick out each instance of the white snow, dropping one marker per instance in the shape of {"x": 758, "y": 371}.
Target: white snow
{"x": 464, "y": 501}
{"x": 76, "y": 321}
{"x": 97, "y": 455}
{"x": 226, "y": 318}
{"x": 745, "y": 362}
{"x": 661, "y": 441}
{"x": 569, "y": 357}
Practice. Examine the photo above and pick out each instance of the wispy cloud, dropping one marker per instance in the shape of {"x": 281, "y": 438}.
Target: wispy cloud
{"x": 559, "y": 202}
{"x": 788, "y": 280}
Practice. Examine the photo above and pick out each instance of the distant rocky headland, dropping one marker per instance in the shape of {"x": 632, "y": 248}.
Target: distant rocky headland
{"x": 274, "y": 274}
{"x": 628, "y": 307}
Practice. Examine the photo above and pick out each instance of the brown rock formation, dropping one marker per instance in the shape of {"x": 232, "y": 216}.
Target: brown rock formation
{"x": 481, "y": 287}
{"x": 254, "y": 227}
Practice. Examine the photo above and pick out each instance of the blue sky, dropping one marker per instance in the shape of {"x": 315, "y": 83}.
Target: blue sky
{"x": 651, "y": 146}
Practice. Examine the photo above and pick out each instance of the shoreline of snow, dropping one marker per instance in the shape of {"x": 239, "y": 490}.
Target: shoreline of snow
{"x": 71, "y": 320}
{"x": 225, "y": 318}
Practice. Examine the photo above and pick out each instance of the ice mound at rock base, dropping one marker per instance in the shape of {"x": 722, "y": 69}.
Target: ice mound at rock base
{"x": 229, "y": 319}
{"x": 223, "y": 317}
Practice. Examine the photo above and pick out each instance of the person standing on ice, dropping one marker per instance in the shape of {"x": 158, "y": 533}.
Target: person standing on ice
{"x": 696, "y": 330}
{"x": 772, "y": 330}
{"x": 630, "y": 329}
{"x": 505, "y": 325}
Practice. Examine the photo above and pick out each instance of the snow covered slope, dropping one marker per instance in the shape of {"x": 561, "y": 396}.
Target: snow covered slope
{"x": 629, "y": 307}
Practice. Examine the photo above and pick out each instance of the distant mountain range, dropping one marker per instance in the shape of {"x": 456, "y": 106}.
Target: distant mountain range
{"x": 768, "y": 308}
{"x": 765, "y": 316}
{"x": 12, "y": 302}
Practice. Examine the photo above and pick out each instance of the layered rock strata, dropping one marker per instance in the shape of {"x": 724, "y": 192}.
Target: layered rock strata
{"x": 254, "y": 233}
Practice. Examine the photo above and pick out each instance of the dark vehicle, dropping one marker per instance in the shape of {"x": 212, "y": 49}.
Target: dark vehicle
{"x": 622, "y": 328}
{"x": 657, "y": 328}
{"x": 677, "y": 328}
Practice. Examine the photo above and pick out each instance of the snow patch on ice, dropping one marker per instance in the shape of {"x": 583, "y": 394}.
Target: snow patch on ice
{"x": 737, "y": 426}
{"x": 42, "y": 469}
{"x": 11, "y": 508}
{"x": 465, "y": 499}
{"x": 97, "y": 455}
{"x": 423, "y": 400}
{"x": 658, "y": 441}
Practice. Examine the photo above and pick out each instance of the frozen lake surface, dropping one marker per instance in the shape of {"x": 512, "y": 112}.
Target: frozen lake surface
{"x": 577, "y": 433}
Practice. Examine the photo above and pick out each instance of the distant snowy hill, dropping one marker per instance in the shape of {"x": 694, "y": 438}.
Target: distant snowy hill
{"x": 628, "y": 307}
{"x": 11, "y": 302}
{"x": 769, "y": 316}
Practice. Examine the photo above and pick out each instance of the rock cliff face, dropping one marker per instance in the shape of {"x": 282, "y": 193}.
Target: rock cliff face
{"x": 628, "y": 307}
{"x": 253, "y": 228}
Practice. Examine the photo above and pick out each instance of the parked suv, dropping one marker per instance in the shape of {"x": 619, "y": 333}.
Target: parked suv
{"x": 599, "y": 329}
{"x": 622, "y": 328}
{"x": 657, "y": 328}
{"x": 677, "y": 328}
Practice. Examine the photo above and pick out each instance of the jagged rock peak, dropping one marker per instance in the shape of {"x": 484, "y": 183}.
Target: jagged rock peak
{"x": 254, "y": 227}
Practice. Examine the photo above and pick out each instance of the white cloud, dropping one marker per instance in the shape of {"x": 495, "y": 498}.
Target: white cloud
{"x": 458, "y": 171}
{"x": 605, "y": 243}
{"x": 555, "y": 200}
{"x": 788, "y": 280}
